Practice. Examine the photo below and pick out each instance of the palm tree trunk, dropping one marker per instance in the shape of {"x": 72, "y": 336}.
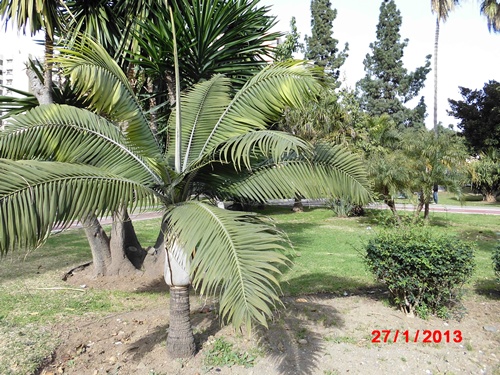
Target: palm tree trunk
{"x": 180, "y": 340}
{"x": 436, "y": 44}
{"x": 392, "y": 206}
{"x": 99, "y": 245}
{"x": 426, "y": 211}
{"x": 127, "y": 253}
{"x": 49, "y": 54}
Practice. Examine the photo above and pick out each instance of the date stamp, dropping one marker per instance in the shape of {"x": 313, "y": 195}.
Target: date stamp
{"x": 425, "y": 336}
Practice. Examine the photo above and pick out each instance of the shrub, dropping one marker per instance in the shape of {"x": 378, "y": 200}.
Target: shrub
{"x": 423, "y": 271}
{"x": 496, "y": 261}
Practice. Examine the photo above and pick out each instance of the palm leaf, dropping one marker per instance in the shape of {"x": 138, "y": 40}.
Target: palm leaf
{"x": 331, "y": 172}
{"x": 99, "y": 79}
{"x": 201, "y": 107}
{"x": 36, "y": 196}
{"x": 13, "y": 105}
{"x": 262, "y": 100}
{"x": 236, "y": 254}
{"x": 73, "y": 135}
{"x": 275, "y": 145}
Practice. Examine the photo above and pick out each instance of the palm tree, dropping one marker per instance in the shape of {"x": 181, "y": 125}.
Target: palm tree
{"x": 36, "y": 15}
{"x": 236, "y": 45}
{"x": 442, "y": 9}
{"x": 434, "y": 160}
{"x": 491, "y": 9}
{"x": 62, "y": 163}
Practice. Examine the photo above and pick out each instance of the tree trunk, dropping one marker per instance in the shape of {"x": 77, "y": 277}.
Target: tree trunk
{"x": 170, "y": 81}
{"x": 436, "y": 43}
{"x": 99, "y": 245}
{"x": 426, "y": 211}
{"x": 43, "y": 90}
{"x": 490, "y": 197}
{"x": 392, "y": 206}
{"x": 49, "y": 54}
{"x": 297, "y": 205}
{"x": 420, "y": 204}
{"x": 180, "y": 340}
{"x": 127, "y": 255}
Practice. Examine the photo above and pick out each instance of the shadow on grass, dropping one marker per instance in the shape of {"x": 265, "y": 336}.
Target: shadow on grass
{"x": 488, "y": 288}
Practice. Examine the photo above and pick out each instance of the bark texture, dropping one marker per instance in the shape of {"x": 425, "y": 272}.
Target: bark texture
{"x": 180, "y": 340}
{"x": 99, "y": 245}
{"x": 127, "y": 255}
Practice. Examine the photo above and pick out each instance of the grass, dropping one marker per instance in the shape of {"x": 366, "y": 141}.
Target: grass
{"x": 326, "y": 258}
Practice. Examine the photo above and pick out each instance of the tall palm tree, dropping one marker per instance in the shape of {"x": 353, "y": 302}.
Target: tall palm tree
{"x": 61, "y": 163}
{"x": 442, "y": 9}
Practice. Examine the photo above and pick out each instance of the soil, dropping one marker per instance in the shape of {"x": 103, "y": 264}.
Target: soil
{"x": 317, "y": 334}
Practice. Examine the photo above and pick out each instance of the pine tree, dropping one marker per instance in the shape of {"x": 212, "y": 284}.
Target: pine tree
{"x": 321, "y": 46}
{"x": 388, "y": 86}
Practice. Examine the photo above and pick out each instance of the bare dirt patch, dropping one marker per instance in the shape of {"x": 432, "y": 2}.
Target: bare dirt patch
{"x": 319, "y": 334}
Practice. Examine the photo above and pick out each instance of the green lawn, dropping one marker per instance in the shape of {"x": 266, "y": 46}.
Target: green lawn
{"x": 326, "y": 258}
{"x": 451, "y": 199}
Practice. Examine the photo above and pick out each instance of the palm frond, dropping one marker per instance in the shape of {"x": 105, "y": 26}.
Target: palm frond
{"x": 236, "y": 254}
{"x": 262, "y": 99}
{"x": 68, "y": 134}
{"x": 331, "y": 172}
{"x": 201, "y": 107}
{"x": 36, "y": 196}
{"x": 99, "y": 79}
{"x": 245, "y": 149}
{"x": 13, "y": 105}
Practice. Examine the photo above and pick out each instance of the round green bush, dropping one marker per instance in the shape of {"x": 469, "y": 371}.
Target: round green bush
{"x": 424, "y": 271}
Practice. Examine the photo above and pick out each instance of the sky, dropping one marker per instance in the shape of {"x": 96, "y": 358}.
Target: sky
{"x": 469, "y": 56}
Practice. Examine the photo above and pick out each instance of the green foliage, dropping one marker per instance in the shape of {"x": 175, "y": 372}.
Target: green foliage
{"x": 221, "y": 353}
{"x": 321, "y": 45}
{"x": 496, "y": 261}
{"x": 423, "y": 271}
{"x": 388, "y": 86}
{"x": 479, "y": 115}
{"x": 485, "y": 174}
{"x": 291, "y": 44}
{"x": 229, "y": 37}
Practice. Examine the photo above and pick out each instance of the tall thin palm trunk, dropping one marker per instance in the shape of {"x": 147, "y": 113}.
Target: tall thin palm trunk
{"x": 180, "y": 340}
{"x": 436, "y": 45}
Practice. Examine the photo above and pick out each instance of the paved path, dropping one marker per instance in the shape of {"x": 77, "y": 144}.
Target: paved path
{"x": 494, "y": 210}
{"x": 480, "y": 210}
{"x": 465, "y": 209}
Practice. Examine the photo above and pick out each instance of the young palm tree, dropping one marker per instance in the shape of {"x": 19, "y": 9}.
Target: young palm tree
{"x": 62, "y": 163}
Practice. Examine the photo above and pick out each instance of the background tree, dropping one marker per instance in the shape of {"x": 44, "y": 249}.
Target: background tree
{"x": 434, "y": 160}
{"x": 479, "y": 115}
{"x": 290, "y": 45}
{"x": 442, "y": 9}
{"x": 388, "y": 86}
{"x": 36, "y": 16}
{"x": 321, "y": 46}
{"x": 485, "y": 174}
